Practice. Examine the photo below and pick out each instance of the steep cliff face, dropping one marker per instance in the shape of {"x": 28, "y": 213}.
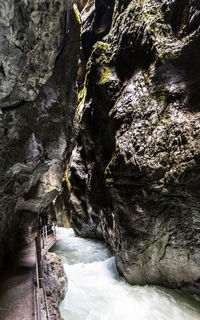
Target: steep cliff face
{"x": 134, "y": 174}
{"x": 38, "y": 62}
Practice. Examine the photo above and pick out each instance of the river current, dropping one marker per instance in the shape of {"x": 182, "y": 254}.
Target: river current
{"x": 97, "y": 292}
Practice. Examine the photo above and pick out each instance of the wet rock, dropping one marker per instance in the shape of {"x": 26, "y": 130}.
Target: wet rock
{"x": 40, "y": 43}
{"x": 55, "y": 283}
{"x": 134, "y": 175}
{"x": 54, "y": 276}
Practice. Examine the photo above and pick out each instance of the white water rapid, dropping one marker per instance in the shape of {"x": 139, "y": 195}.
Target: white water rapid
{"x": 97, "y": 292}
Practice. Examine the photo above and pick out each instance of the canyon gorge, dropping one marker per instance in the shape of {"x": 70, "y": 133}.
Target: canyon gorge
{"x": 100, "y": 129}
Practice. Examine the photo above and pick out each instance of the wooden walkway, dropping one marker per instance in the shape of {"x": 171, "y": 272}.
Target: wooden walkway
{"x": 48, "y": 237}
{"x": 51, "y": 240}
{"x": 17, "y": 299}
{"x": 20, "y": 293}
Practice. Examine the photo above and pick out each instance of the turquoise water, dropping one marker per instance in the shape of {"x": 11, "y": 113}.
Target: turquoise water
{"x": 97, "y": 292}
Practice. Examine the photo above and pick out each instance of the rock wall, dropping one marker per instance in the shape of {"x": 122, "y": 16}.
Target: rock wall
{"x": 134, "y": 174}
{"x": 55, "y": 284}
{"x": 39, "y": 48}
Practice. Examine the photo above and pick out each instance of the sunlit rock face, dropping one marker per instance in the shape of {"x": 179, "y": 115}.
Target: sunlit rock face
{"x": 39, "y": 50}
{"x": 134, "y": 175}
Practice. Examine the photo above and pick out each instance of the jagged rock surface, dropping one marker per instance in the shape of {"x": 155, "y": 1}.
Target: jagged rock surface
{"x": 38, "y": 58}
{"x": 134, "y": 175}
{"x": 31, "y": 34}
{"x": 96, "y": 22}
{"x": 55, "y": 283}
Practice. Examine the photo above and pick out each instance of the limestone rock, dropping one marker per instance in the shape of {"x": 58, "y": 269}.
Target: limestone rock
{"x": 55, "y": 283}
{"x": 55, "y": 277}
{"x": 134, "y": 174}
{"x": 31, "y": 33}
{"x": 39, "y": 48}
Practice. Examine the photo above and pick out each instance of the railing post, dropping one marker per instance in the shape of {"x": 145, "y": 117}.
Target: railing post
{"x": 46, "y": 235}
{"x": 37, "y": 280}
{"x": 54, "y": 229}
{"x": 39, "y": 258}
{"x": 43, "y": 236}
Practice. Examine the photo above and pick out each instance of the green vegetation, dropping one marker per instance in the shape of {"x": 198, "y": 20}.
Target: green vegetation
{"x": 108, "y": 169}
{"x": 147, "y": 78}
{"x": 153, "y": 20}
{"x": 109, "y": 182}
{"x": 108, "y": 173}
{"x": 98, "y": 57}
{"x": 163, "y": 97}
{"x": 77, "y": 14}
{"x": 66, "y": 178}
{"x": 105, "y": 75}
{"x": 165, "y": 114}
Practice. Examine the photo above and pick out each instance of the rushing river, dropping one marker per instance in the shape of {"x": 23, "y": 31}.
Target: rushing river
{"x": 97, "y": 292}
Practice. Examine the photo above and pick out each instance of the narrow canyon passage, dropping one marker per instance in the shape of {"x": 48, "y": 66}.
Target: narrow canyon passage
{"x": 97, "y": 292}
{"x": 100, "y": 131}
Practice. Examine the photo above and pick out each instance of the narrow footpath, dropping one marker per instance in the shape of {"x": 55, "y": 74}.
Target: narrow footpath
{"x": 17, "y": 286}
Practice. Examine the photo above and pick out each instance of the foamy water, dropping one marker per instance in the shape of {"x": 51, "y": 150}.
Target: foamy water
{"x": 97, "y": 292}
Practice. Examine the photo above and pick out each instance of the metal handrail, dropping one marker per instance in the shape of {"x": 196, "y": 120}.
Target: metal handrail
{"x": 46, "y": 303}
{"x": 39, "y": 317}
{"x": 45, "y": 231}
{"x": 40, "y": 273}
{"x": 40, "y": 283}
